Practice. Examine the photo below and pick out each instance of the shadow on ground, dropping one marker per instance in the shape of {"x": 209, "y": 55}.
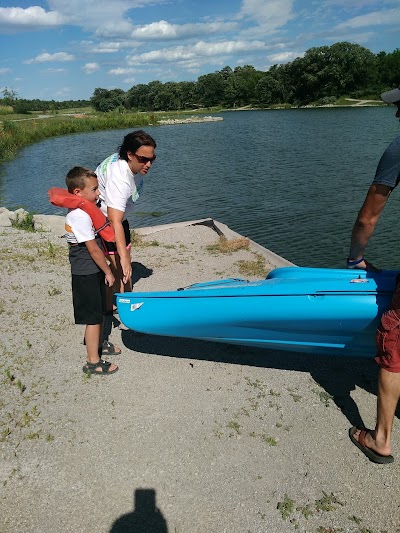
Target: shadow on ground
{"x": 338, "y": 375}
{"x": 145, "y": 518}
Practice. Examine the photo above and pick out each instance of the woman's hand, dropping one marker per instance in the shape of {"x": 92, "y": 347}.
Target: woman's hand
{"x": 126, "y": 266}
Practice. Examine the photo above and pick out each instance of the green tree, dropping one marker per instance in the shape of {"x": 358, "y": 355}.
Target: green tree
{"x": 388, "y": 66}
{"x": 105, "y": 100}
{"x": 245, "y": 82}
{"x": 211, "y": 89}
{"x": 9, "y": 96}
{"x": 336, "y": 70}
{"x": 269, "y": 90}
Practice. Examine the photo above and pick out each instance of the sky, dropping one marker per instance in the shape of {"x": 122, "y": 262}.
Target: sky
{"x": 65, "y": 49}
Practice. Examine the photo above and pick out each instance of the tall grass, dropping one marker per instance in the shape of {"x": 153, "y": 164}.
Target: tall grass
{"x": 15, "y": 135}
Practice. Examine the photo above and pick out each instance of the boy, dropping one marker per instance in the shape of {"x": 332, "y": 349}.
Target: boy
{"x": 90, "y": 272}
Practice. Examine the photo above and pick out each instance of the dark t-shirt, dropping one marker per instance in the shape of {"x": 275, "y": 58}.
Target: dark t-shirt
{"x": 388, "y": 170}
{"x": 81, "y": 260}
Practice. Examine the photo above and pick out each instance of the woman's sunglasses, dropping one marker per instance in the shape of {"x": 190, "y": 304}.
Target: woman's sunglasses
{"x": 145, "y": 160}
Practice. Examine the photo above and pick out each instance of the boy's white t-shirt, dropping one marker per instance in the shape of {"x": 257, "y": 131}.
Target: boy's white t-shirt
{"x": 79, "y": 227}
{"x": 119, "y": 187}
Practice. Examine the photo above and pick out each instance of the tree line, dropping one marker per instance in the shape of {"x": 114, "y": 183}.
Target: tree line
{"x": 321, "y": 76}
{"x": 21, "y": 105}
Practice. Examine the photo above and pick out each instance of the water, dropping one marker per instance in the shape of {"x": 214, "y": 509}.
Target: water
{"x": 292, "y": 180}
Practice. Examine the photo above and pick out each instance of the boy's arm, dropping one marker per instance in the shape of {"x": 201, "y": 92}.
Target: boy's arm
{"x": 98, "y": 257}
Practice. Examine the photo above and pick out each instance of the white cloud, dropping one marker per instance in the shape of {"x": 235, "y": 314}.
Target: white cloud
{"x": 109, "y": 48}
{"x": 56, "y": 70}
{"x": 163, "y": 30}
{"x": 365, "y": 37}
{"x": 16, "y": 18}
{"x": 227, "y": 47}
{"x": 359, "y": 4}
{"x": 200, "y": 50}
{"x": 376, "y": 18}
{"x": 270, "y": 14}
{"x": 101, "y": 16}
{"x": 121, "y": 71}
{"x": 89, "y": 68}
{"x": 284, "y": 57}
{"x": 46, "y": 57}
{"x": 4, "y": 70}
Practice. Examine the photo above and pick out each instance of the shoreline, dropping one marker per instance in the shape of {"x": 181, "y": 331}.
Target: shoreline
{"x": 218, "y": 438}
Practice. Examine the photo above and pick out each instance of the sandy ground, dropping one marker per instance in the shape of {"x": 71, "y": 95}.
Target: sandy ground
{"x": 188, "y": 436}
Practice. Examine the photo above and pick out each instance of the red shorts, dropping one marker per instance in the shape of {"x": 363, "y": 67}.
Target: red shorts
{"x": 388, "y": 336}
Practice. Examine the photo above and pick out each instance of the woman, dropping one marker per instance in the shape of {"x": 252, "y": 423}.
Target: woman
{"x": 120, "y": 179}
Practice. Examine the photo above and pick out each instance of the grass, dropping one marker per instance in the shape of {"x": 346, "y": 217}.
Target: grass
{"x": 228, "y": 246}
{"x": 53, "y": 291}
{"x": 294, "y": 512}
{"x": 256, "y": 268}
{"x": 25, "y": 223}
{"x": 328, "y": 502}
{"x": 269, "y": 440}
{"x": 324, "y": 396}
{"x": 16, "y": 135}
{"x": 235, "y": 426}
{"x": 286, "y": 507}
{"x": 54, "y": 254}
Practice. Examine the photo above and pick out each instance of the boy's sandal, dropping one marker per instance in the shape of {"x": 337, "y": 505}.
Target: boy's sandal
{"x": 92, "y": 368}
{"x": 108, "y": 348}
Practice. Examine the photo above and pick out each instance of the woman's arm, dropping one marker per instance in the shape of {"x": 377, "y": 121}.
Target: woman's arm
{"x": 116, "y": 217}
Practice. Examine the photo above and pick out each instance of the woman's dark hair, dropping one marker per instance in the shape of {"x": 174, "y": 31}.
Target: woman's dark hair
{"x": 133, "y": 141}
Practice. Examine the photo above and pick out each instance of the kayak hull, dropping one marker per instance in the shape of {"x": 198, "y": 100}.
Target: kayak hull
{"x": 320, "y": 311}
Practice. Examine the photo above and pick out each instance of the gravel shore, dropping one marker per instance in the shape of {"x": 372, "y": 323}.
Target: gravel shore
{"x": 188, "y": 436}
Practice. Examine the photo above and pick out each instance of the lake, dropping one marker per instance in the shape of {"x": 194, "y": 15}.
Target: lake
{"x": 292, "y": 180}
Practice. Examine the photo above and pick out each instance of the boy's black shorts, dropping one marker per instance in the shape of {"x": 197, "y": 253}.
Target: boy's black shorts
{"x": 89, "y": 298}
{"x": 111, "y": 248}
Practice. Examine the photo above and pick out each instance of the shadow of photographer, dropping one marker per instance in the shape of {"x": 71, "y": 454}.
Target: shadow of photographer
{"x": 145, "y": 518}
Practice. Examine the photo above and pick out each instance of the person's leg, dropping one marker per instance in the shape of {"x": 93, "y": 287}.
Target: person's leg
{"x": 115, "y": 265}
{"x": 92, "y": 341}
{"x": 379, "y": 439}
{"x": 92, "y": 337}
{"x": 110, "y": 291}
{"x": 89, "y": 303}
{"x": 127, "y": 287}
{"x": 388, "y": 397}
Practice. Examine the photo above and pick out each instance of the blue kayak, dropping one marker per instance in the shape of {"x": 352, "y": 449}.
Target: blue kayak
{"x": 311, "y": 310}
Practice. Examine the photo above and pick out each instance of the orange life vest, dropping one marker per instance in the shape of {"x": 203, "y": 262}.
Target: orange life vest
{"x": 62, "y": 198}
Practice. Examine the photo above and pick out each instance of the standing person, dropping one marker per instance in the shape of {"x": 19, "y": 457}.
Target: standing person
{"x": 90, "y": 272}
{"x": 121, "y": 183}
{"x": 376, "y": 443}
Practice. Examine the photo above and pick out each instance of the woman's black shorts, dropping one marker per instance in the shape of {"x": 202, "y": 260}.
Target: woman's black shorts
{"x": 111, "y": 248}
